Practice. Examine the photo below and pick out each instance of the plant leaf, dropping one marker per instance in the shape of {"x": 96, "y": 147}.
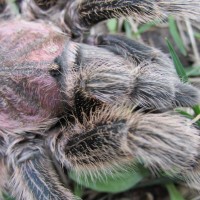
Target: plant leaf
{"x": 175, "y": 34}
{"x": 112, "y": 25}
{"x": 196, "y": 110}
{"x": 173, "y": 192}
{"x": 7, "y": 197}
{"x": 145, "y": 27}
{"x": 117, "y": 182}
{"x": 178, "y": 65}
{"x": 193, "y": 71}
{"x": 128, "y": 29}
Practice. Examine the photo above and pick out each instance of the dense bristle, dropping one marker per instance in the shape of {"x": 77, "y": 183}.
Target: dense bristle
{"x": 94, "y": 11}
{"x": 82, "y": 14}
{"x": 115, "y": 136}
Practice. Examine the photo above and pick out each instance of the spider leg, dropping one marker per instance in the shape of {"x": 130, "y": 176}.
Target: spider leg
{"x": 184, "y": 94}
{"x": 2, "y": 146}
{"x": 4, "y": 177}
{"x": 3, "y": 169}
{"x": 116, "y": 137}
{"x": 112, "y": 74}
{"x": 79, "y": 15}
{"x": 33, "y": 174}
{"x": 90, "y": 12}
{"x": 128, "y": 48}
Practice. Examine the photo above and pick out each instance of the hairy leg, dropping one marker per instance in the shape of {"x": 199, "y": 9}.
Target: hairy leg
{"x": 184, "y": 94}
{"x": 114, "y": 137}
{"x": 91, "y": 12}
{"x": 4, "y": 177}
{"x": 102, "y": 74}
{"x": 77, "y": 16}
{"x": 33, "y": 173}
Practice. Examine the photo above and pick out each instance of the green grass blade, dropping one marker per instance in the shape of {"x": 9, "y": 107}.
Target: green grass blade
{"x": 178, "y": 65}
{"x": 145, "y": 27}
{"x": 128, "y": 29}
{"x": 197, "y": 35}
{"x": 78, "y": 190}
{"x": 112, "y": 25}
{"x": 173, "y": 192}
{"x": 193, "y": 71}
{"x": 196, "y": 110}
{"x": 7, "y": 197}
{"x": 13, "y": 6}
{"x": 175, "y": 34}
{"x": 189, "y": 116}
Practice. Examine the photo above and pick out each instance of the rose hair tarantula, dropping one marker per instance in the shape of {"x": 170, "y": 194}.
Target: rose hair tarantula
{"x": 69, "y": 100}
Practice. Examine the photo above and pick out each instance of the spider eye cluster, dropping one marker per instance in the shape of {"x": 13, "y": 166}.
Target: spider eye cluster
{"x": 55, "y": 69}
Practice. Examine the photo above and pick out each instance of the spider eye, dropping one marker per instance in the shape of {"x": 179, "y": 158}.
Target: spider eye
{"x": 55, "y": 70}
{"x": 45, "y": 4}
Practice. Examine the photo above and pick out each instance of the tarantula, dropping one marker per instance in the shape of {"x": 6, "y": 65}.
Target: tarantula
{"x": 81, "y": 101}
